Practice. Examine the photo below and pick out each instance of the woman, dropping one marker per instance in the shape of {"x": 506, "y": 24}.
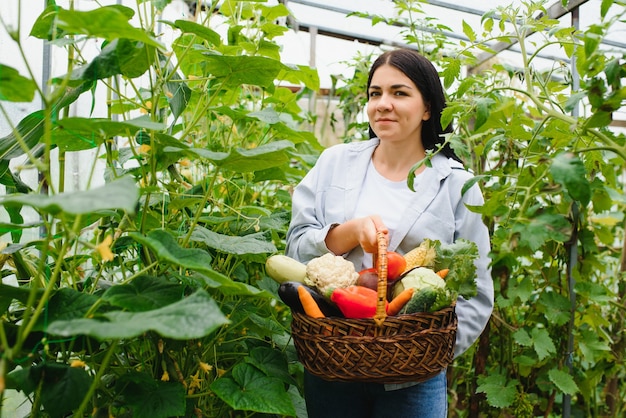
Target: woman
{"x": 359, "y": 188}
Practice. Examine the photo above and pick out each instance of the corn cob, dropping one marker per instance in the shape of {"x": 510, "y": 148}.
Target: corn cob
{"x": 421, "y": 256}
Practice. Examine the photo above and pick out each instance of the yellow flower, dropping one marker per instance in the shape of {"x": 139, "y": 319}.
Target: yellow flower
{"x": 205, "y": 367}
{"x": 104, "y": 249}
{"x": 144, "y": 149}
{"x": 165, "y": 377}
{"x": 195, "y": 381}
{"x": 78, "y": 363}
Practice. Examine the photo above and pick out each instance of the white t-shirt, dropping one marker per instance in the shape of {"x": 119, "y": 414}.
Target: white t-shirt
{"x": 383, "y": 197}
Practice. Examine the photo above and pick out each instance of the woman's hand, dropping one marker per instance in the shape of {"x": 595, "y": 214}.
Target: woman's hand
{"x": 368, "y": 237}
{"x": 359, "y": 231}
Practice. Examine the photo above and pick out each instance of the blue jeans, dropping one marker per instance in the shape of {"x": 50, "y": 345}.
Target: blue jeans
{"x": 326, "y": 399}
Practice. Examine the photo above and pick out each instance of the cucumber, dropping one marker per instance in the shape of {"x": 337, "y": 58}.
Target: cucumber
{"x": 283, "y": 268}
{"x": 288, "y": 292}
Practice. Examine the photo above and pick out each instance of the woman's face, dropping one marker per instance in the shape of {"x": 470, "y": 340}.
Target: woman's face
{"x": 395, "y": 106}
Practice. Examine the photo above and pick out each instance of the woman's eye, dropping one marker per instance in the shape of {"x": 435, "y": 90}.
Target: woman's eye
{"x": 374, "y": 93}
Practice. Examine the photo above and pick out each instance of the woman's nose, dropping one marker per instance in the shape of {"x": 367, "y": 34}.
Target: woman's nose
{"x": 383, "y": 103}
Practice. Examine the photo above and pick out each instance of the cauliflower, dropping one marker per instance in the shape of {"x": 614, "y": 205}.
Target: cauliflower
{"x": 330, "y": 271}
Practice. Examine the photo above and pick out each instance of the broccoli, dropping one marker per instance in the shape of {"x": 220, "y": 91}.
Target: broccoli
{"x": 421, "y": 301}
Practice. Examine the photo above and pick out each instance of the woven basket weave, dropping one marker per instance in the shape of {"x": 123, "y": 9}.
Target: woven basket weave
{"x": 383, "y": 349}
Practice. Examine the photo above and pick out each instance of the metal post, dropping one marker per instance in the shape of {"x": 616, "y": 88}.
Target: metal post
{"x": 312, "y": 64}
{"x": 45, "y": 79}
{"x": 573, "y": 244}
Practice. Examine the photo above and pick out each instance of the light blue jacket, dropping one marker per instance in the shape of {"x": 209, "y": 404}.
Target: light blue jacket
{"x": 328, "y": 195}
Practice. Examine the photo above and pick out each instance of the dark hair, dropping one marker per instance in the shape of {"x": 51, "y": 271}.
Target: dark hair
{"x": 425, "y": 76}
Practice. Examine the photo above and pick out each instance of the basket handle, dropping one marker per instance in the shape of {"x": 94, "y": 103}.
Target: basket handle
{"x": 380, "y": 258}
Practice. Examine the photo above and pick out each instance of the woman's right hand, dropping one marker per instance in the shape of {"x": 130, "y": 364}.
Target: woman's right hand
{"x": 359, "y": 231}
{"x": 368, "y": 233}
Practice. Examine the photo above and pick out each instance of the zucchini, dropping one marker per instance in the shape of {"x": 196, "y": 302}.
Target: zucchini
{"x": 283, "y": 268}
{"x": 288, "y": 292}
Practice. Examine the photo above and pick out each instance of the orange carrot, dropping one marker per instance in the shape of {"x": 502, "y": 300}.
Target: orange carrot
{"x": 399, "y": 301}
{"x": 308, "y": 303}
{"x": 443, "y": 273}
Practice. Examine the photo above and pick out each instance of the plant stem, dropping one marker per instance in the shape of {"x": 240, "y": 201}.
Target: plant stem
{"x": 200, "y": 210}
{"x": 29, "y": 323}
{"x": 96, "y": 380}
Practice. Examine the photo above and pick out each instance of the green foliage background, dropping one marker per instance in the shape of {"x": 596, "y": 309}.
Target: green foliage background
{"x": 145, "y": 294}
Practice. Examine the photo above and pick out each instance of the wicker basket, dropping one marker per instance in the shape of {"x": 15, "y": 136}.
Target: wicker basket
{"x": 383, "y": 349}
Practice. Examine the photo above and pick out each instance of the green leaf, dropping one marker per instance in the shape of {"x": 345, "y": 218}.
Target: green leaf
{"x": 569, "y": 171}
{"x": 542, "y": 228}
{"x": 263, "y": 157}
{"x": 167, "y": 250}
{"x": 500, "y": 393}
{"x": 468, "y": 31}
{"x": 272, "y": 362}
{"x": 605, "y": 6}
{"x": 200, "y": 30}
{"x": 77, "y": 133}
{"x": 301, "y": 74}
{"x": 249, "y": 389}
{"x": 108, "y": 22}
{"x": 483, "y": 111}
{"x": 573, "y": 100}
{"x": 180, "y": 94}
{"x": 195, "y": 316}
{"x": 522, "y": 290}
{"x": 8, "y": 293}
{"x": 592, "y": 347}
{"x": 227, "y": 286}
{"x": 599, "y": 119}
{"x": 274, "y": 12}
{"x": 542, "y": 343}
{"x": 522, "y": 337}
{"x": 451, "y": 71}
{"x": 119, "y": 194}
{"x": 237, "y": 70}
{"x": 14, "y": 87}
{"x": 267, "y": 115}
{"x": 555, "y": 307}
{"x": 121, "y": 56}
{"x": 45, "y": 26}
{"x": 144, "y": 293}
{"x": 150, "y": 398}
{"x": 19, "y": 379}
{"x": 12, "y": 180}
{"x": 564, "y": 381}
{"x": 30, "y": 129}
{"x": 66, "y": 304}
{"x": 204, "y": 154}
{"x": 247, "y": 244}
{"x": 62, "y": 387}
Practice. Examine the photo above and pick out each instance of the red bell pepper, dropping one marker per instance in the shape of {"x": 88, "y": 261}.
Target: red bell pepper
{"x": 356, "y": 301}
